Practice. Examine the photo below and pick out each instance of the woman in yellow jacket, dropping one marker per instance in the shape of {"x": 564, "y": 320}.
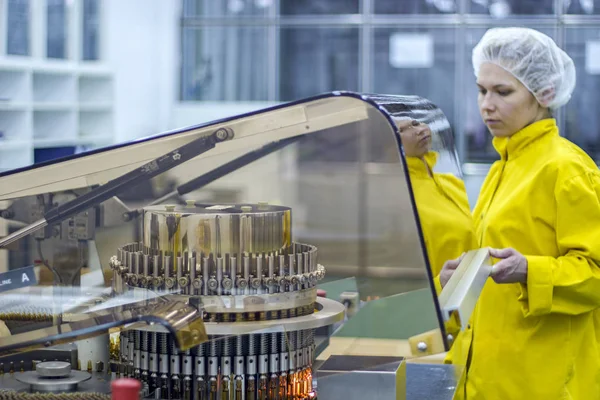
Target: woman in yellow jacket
{"x": 534, "y": 332}
{"x": 441, "y": 198}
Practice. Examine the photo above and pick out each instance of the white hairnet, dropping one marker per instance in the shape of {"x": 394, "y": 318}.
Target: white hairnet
{"x": 533, "y": 58}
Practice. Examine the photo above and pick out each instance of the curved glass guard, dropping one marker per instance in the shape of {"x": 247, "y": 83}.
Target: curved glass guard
{"x": 305, "y": 229}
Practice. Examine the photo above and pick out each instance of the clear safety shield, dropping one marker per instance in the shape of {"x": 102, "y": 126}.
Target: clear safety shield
{"x": 293, "y": 233}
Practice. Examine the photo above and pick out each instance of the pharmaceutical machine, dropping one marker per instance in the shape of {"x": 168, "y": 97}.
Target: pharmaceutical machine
{"x": 225, "y": 260}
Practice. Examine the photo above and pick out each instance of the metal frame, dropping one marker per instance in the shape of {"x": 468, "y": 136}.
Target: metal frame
{"x": 3, "y": 26}
{"x": 367, "y": 22}
{"x": 330, "y": 312}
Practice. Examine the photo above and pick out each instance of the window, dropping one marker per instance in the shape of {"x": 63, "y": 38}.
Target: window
{"x": 315, "y": 60}
{"x": 17, "y": 33}
{"x": 507, "y": 8}
{"x": 292, "y": 49}
{"x": 227, "y": 63}
{"x": 91, "y": 24}
{"x": 56, "y": 27}
{"x": 416, "y": 7}
{"x": 585, "y": 7}
{"x": 419, "y": 61}
{"x": 316, "y": 7}
{"x": 227, "y": 8}
{"x": 582, "y": 122}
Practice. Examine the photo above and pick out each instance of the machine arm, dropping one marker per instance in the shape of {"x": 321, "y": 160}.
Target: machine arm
{"x": 221, "y": 171}
{"x": 115, "y": 186}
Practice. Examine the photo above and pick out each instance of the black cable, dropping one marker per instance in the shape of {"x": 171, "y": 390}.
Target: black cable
{"x": 54, "y": 272}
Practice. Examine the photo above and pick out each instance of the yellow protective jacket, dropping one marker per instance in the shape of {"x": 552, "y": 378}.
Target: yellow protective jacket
{"x": 539, "y": 340}
{"x": 444, "y": 212}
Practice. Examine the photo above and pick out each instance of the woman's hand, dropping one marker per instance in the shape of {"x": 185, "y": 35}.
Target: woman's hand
{"x": 512, "y": 267}
{"x": 449, "y": 268}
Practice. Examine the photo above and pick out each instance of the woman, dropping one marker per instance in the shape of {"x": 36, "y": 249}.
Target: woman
{"x": 534, "y": 332}
{"x": 441, "y": 198}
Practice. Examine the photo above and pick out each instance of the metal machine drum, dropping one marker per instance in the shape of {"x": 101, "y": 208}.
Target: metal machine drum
{"x": 217, "y": 230}
{"x": 239, "y": 266}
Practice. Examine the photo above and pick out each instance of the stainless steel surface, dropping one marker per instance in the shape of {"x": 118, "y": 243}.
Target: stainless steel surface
{"x": 329, "y": 312}
{"x": 217, "y": 230}
{"x": 63, "y": 383}
{"x": 358, "y": 385}
{"x": 358, "y": 377}
{"x": 384, "y": 381}
{"x": 99, "y": 383}
{"x": 53, "y": 369}
{"x": 93, "y": 351}
{"x": 461, "y": 292}
{"x": 430, "y": 381}
{"x": 113, "y": 212}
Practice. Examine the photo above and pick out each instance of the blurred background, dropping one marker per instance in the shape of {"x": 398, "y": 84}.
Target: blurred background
{"x": 79, "y": 74}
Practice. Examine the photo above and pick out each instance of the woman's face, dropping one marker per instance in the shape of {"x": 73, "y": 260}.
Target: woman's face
{"x": 505, "y": 104}
{"x": 416, "y": 137}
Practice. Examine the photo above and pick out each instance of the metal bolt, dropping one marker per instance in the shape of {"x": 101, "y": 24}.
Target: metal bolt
{"x": 190, "y": 203}
{"x": 170, "y": 208}
{"x": 246, "y": 208}
{"x": 170, "y": 282}
{"x": 197, "y": 283}
{"x": 224, "y": 133}
{"x": 227, "y": 283}
{"x": 183, "y": 281}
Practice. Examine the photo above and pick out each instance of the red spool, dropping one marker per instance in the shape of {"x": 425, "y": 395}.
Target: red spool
{"x": 126, "y": 389}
